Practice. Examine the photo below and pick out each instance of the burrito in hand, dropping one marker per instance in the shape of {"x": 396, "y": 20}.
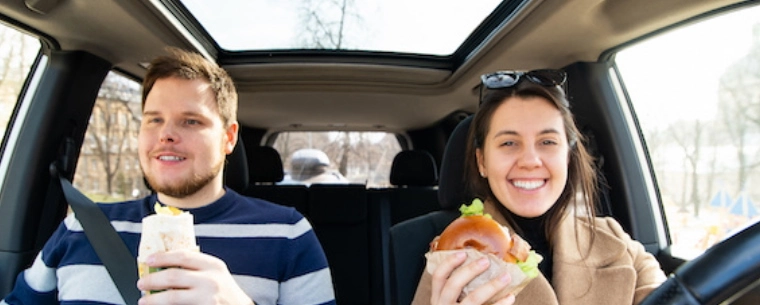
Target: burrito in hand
{"x": 169, "y": 229}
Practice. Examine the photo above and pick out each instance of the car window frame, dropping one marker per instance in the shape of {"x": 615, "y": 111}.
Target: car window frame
{"x": 663, "y": 230}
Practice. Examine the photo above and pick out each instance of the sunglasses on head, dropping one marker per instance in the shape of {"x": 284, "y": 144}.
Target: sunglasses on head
{"x": 508, "y": 79}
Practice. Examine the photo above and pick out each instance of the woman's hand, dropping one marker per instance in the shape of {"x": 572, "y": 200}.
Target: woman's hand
{"x": 448, "y": 282}
{"x": 190, "y": 278}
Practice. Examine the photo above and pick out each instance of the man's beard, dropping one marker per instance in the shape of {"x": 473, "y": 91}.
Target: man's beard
{"x": 186, "y": 187}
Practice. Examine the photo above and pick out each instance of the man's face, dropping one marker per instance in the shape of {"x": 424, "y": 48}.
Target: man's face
{"x": 183, "y": 142}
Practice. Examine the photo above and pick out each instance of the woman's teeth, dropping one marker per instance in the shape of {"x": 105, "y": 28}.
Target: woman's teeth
{"x": 528, "y": 185}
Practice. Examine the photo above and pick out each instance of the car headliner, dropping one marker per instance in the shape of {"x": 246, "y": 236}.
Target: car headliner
{"x": 345, "y": 95}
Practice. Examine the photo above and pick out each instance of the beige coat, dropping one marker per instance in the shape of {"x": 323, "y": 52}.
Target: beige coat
{"x": 617, "y": 271}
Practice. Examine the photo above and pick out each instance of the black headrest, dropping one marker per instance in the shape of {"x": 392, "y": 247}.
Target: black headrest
{"x": 452, "y": 191}
{"x": 236, "y": 169}
{"x": 414, "y": 168}
{"x": 265, "y": 165}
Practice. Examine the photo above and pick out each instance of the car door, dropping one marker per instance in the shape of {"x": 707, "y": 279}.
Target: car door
{"x": 50, "y": 111}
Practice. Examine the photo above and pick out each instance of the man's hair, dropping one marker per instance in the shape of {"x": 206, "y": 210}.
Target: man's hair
{"x": 190, "y": 66}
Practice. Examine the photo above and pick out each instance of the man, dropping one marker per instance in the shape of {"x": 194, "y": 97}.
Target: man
{"x": 251, "y": 251}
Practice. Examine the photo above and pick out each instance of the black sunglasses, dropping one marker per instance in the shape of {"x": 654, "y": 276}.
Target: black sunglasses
{"x": 507, "y": 79}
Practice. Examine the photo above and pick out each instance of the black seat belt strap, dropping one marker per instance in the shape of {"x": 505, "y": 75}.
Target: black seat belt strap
{"x": 110, "y": 248}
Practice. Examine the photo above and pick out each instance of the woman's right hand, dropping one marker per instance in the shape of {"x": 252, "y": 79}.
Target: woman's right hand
{"x": 448, "y": 281}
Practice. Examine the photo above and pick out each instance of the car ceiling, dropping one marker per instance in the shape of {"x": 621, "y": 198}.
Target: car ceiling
{"x": 324, "y": 95}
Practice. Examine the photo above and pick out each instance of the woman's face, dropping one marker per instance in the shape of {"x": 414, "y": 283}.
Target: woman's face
{"x": 525, "y": 155}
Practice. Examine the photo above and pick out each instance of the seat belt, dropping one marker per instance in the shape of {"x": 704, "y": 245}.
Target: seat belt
{"x": 110, "y": 248}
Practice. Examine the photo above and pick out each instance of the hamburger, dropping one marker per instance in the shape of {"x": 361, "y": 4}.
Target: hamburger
{"x": 478, "y": 235}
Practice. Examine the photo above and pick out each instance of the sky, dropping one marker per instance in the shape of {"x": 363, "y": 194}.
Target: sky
{"x": 679, "y": 71}
{"x": 407, "y": 26}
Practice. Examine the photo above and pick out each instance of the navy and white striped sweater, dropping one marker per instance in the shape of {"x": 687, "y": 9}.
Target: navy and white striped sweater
{"x": 271, "y": 251}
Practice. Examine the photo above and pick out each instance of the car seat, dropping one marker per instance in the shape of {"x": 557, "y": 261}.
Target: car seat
{"x": 236, "y": 168}
{"x": 415, "y": 177}
{"x": 265, "y": 171}
{"x": 409, "y": 240}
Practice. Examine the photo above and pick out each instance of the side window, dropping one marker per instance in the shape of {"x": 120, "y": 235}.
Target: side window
{"x": 337, "y": 157}
{"x": 696, "y": 93}
{"x": 108, "y": 169}
{"x": 17, "y": 54}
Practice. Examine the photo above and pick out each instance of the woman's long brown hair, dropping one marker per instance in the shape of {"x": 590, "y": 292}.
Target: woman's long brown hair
{"x": 581, "y": 188}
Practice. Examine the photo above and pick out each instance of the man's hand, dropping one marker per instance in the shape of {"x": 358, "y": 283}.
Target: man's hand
{"x": 190, "y": 278}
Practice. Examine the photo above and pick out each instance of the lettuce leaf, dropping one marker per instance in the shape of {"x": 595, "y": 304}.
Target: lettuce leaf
{"x": 530, "y": 265}
{"x": 474, "y": 209}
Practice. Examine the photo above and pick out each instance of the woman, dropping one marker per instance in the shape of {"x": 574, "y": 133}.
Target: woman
{"x": 527, "y": 159}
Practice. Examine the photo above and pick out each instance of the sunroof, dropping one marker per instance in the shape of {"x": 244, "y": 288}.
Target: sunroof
{"x": 430, "y": 27}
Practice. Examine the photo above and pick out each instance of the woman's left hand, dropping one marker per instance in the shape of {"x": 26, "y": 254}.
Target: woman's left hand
{"x": 450, "y": 277}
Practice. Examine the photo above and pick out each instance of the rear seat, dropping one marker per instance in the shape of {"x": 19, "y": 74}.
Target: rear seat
{"x": 265, "y": 170}
{"x": 340, "y": 215}
{"x": 415, "y": 176}
{"x": 351, "y": 222}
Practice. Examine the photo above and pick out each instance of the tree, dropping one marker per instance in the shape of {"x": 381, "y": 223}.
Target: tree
{"x": 15, "y": 60}
{"x": 739, "y": 94}
{"x": 113, "y": 124}
{"x": 17, "y": 53}
{"x": 688, "y": 135}
{"x": 325, "y": 23}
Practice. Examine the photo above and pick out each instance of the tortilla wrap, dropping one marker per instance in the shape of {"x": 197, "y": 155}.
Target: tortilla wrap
{"x": 163, "y": 232}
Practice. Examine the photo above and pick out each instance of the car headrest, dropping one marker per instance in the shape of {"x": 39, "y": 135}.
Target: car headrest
{"x": 236, "y": 169}
{"x": 452, "y": 191}
{"x": 414, "y": 168}
{"x": 265, "y": 165}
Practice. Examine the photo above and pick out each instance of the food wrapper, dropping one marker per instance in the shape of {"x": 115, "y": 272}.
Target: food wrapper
{"x": 168, "y": 229}
{"x": 496, "y": 268}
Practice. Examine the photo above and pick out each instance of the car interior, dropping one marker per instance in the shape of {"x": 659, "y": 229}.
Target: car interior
{"x": 375, "y": 235}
